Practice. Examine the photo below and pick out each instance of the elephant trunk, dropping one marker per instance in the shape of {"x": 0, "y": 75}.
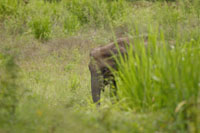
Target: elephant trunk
{"x": 96, "y": 84}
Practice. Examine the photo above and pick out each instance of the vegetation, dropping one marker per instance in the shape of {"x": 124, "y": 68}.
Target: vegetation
{"x": 44, "y": 76}
{"x": 9, "y": 89}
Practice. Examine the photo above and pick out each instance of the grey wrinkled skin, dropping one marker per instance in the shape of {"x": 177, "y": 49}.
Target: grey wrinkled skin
{"x": 101, "y": 59}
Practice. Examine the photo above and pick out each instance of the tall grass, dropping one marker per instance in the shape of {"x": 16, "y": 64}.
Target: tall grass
{"x": 162, "y": 76}
{"x": 42, "y": 17}
{"x": 41, "y": 28}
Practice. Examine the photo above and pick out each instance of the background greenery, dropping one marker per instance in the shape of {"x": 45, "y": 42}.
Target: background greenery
{"x": 44, "y": 76}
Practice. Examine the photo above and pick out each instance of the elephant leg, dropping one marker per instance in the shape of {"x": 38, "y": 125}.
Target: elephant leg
{"x": 96, "y": 86}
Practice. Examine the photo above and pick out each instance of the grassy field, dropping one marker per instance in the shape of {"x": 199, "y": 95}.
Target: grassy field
{"x": 44, "y": 75}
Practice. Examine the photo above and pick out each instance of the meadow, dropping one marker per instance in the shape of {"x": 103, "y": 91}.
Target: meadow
{"x": 44, "y": 57}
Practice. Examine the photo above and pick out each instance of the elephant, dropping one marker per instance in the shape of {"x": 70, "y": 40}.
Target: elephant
{"x": 101, "y": 58}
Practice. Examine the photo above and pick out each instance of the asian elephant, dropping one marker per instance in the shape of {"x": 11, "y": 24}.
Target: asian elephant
{"x": 101, "y": 58}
